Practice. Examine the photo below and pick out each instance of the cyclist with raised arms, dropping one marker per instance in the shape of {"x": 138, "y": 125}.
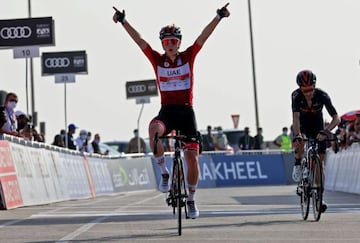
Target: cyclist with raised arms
{"x": 174, "y": 78}
{"x": 307, "y": 105}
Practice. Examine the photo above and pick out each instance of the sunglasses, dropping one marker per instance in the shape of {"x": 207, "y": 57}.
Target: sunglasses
{"x": 13, "y": 100}
{"x": 172, "y": 41}
{"x": 307, "y": 90}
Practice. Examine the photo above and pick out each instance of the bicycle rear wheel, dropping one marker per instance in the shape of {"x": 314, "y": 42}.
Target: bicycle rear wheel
{"x": 317, "y": 187}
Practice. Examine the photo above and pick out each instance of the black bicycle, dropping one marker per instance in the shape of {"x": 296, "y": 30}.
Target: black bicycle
{"x": 311, "y": 184}
{"x": 177, "y": 195}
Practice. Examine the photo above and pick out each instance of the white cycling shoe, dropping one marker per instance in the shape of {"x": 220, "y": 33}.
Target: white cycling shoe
{"x": 296, "y": 174}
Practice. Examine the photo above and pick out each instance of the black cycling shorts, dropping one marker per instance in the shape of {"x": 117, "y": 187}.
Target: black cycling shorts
{"x": 179, "y": 118}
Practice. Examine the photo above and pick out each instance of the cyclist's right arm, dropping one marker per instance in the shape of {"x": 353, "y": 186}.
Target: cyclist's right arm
{"x": 120, "y": 17}
{"x": 296, "y": 123}
{"x": 135, "y": 36}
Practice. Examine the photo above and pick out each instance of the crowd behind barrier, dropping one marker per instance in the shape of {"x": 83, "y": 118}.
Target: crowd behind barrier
{"x": 34, "y": 173}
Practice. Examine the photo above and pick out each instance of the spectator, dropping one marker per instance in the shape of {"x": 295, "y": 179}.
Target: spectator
{"x": 354, "y": 132}
{"x": 221, "y": 142}
{"x": 63, "y": 135}
{"x": 70, "y": 138}
{"x": 81, "y": 141}
{"x": 2, "y": 116}
{"x": 284, "y": 141}
{"x": 58, "y": 141}
{"x": 342, "y": 137}
{"x": 259, "y": 139}
{"x": 246, "y": 142}
{"x": 10, "y": 125}
{"x": 2, "y": 119}
{"x": 26, "y": 129}
{"x": 208, "y": 140}
{"x": 89, "y": 147}
{"x": 136, "y": 144}
{"x": 95, "y": 145}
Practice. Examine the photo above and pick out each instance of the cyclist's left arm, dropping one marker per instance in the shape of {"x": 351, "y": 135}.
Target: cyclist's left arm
{"x": 332, "y": 112}
{"x": 221, "y": 13}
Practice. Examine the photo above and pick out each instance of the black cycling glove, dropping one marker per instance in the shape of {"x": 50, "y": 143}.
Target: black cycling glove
{"x": 221, "y": 12}
{"x": 120, "y": 16}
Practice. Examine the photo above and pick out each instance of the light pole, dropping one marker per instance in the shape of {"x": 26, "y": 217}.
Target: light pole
{"x": 253, "y": 67}
{"x": 33, "y": 114}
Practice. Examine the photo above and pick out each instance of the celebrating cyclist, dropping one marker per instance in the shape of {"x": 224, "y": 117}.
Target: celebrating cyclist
{"x": 174, "y": 77}
{"x": 307, "y": 105}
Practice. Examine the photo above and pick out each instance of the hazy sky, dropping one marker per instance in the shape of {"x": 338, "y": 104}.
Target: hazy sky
{"x": 289, "y": 35}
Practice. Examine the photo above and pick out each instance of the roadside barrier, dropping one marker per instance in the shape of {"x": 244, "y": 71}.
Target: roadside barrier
{"x": 343, "y": 170}
{"x": 35, "y": 173}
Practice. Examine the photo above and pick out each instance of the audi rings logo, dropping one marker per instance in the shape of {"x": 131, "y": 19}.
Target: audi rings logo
{"x": 58, "y": 62}
{"x": 18, "y": 32}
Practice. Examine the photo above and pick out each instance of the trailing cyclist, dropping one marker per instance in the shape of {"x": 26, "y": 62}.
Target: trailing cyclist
{"x": 174, "y": 77}
{"x": 307, "y": 105}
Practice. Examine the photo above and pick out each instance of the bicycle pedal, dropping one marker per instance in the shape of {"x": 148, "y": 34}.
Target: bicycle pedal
{"x": 182, "y": 202}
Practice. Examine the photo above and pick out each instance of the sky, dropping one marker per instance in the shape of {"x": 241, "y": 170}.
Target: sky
{"x": 289, "y": 36}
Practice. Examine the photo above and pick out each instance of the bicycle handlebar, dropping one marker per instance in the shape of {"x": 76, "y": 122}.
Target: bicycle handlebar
{"x": 177, "y": 137}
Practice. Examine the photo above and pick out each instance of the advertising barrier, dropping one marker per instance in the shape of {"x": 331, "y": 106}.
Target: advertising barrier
{"x": 33, "y": 174}
{"x": 343, "y": 170}
{"x": 132, "y": 174}
{"x": 10, "y": 195}
{"x": 237, "y": 170}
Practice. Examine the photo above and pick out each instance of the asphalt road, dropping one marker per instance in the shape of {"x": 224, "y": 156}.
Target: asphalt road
{"x": 241, "y": 214}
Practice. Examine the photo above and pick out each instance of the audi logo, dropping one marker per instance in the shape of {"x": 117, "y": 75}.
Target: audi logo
{"x": 18, "y": 32}
{"x": 137, "y": 88}
{"x": 58, "y": 62}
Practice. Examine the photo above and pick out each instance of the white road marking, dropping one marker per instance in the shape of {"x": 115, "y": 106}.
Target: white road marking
{"x": 89, "y": 225}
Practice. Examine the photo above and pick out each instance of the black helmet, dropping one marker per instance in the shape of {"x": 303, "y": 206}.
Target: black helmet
{"x": 170, "y": 31}
{"x": 305, "y": 78}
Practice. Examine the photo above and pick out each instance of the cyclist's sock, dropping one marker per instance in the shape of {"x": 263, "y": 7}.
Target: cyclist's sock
{"x": 192, "y": 190}
{"x": 297, "y": 161}
{"x": 161, "y": 162}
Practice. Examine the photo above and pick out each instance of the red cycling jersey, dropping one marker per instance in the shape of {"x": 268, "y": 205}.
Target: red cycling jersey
{"x": 174, "y": 79}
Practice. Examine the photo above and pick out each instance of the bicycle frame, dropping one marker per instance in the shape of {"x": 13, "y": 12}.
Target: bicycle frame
{"x": 176, "y": 198}
{"x": 311, "y": 185}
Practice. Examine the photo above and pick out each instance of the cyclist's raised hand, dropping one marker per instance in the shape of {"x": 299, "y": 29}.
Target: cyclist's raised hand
{"x": 119, "y": 16}
{"x": 223, "y": 12}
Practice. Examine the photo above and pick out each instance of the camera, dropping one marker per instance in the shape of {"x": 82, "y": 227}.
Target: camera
{"x": 29, "y": 125}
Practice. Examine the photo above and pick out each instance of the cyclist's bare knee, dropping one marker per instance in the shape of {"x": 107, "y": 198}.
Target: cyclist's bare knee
{"x": 156, "y": 126}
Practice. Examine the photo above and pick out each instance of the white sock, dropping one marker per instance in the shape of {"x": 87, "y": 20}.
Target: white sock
{"x": 192, "y": 190}
{"x": 161, "y": 162}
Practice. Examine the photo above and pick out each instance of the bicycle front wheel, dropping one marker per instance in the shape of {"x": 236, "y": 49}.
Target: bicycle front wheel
{"x": 178, "y": 195}
{"x": 304, "y": 199}
{"x": 317, "y": 187}
{"x": 303, "y": 189}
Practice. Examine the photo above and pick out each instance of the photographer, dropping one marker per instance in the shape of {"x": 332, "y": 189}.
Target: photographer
{"x": 26, "y": 129}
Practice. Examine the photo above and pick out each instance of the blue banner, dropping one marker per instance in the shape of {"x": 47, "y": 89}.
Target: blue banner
{"x": 237, "y": 170}
{"x": 244, "y": 170}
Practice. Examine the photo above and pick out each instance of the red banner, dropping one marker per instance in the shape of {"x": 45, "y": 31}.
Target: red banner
{"x": 10, "y": 192}
{"x": 6, "y": 160}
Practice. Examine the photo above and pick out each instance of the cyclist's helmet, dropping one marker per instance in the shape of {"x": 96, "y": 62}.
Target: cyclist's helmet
{"x": 170, "y": 31}
{"x": 305, "y": 78}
